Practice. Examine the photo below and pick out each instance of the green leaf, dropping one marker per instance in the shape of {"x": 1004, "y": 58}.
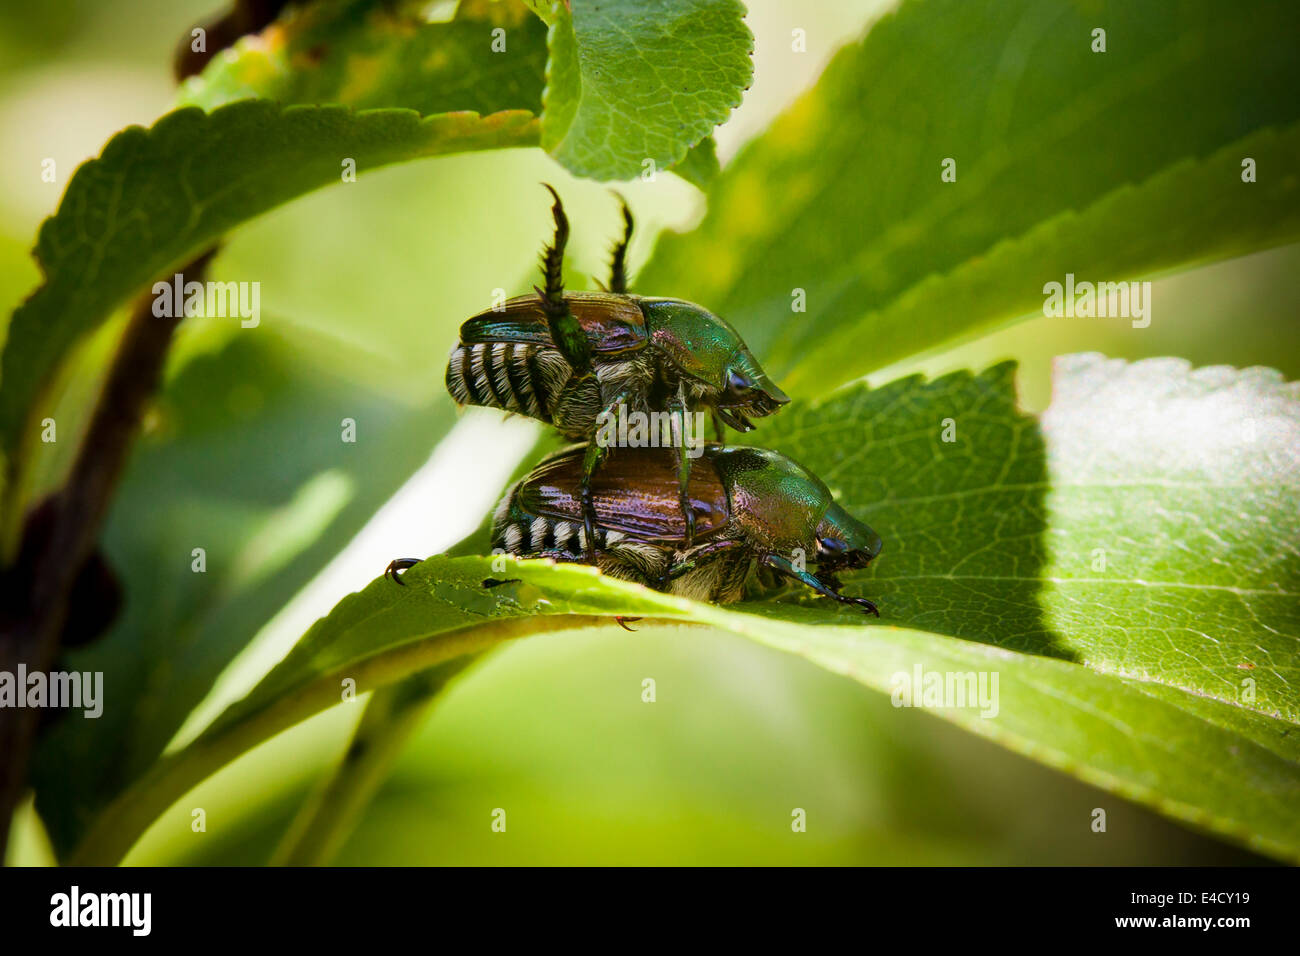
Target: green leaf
{"x": 366, "y": 55}
{"x": 211, "y": 472}
{"x": 545, "y": 10}
{"x": 1161, "y": 668}
{"x": 155, "y": 198}
{"x": 630, "y": 81}
{"x": 393, "y": 714}
{"x": 986, "y": 290}
{"x": 700, "y": 167}
{"x": 1066, "y": 160}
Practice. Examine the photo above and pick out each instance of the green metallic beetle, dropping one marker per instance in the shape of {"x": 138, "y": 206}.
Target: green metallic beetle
{"x": 755, "y": 511}
{"x": 575, "y": 359}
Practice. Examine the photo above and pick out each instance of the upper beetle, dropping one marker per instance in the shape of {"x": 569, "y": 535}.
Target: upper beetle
{"x": 569, "y": 358}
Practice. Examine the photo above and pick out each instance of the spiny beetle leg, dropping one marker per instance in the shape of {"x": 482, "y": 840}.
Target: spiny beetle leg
{"x": 783, "y": 565}
{"x": 618, "y": 266}
{"x": 397, "y": 565}
{"x": 553, "y": 255}
{"x": 565, "y": 331}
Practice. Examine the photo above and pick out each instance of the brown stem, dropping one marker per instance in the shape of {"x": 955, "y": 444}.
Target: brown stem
{"x": 56, "y": 548}
{"x": 246, "y": 16}
{"x": 59, "y": 553}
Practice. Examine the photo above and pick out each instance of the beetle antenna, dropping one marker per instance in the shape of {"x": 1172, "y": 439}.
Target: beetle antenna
{"x": 553, "y": 256}
{"x": 618, "y": 267}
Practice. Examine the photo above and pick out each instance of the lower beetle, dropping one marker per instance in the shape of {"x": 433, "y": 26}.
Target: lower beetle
{"x": 754, "y": 510}
{"x": 573, "y": 359}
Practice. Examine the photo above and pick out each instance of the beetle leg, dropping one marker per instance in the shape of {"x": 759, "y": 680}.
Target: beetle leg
{"x": 590, "y": 462}
{"x": 690, "y": 564}
{"x": 719, "y": 428}
{"x": 553, "y": 255}
{"x": 398, "y": 565}
{"x": 768, "y": 578}
{"x": 559, "y": 557}
{"x": 678, "y": 413}
{"x": 783, "y": 565}
{"x": 565, "y": 331}
{"x": 618, "y": 266}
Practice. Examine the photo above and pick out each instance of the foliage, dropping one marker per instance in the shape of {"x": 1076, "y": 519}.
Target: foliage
{"x": 1124, "y": 562}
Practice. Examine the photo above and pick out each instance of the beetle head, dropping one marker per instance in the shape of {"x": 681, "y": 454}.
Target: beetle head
{"x": 844, "y": 543}
{"x": 706, "y": 348}
{"x": 748, "y": 392}
{"x": 781, "y": 505}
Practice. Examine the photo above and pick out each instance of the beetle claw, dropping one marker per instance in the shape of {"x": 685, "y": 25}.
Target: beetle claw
{"x": 623, "y": 621}
{"x": 866, "y": 604}
{"x": 397, "y": 565}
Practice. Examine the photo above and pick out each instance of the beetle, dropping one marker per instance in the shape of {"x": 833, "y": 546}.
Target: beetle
{"x": 575, "y": 359}
{"x": 755, "y": 510}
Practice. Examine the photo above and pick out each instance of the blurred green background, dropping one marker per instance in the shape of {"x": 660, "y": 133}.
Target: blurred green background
{"x": 362, "y": 288}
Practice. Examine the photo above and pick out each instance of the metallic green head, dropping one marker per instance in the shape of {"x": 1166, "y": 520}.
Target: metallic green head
{"x": 782, "y": 505}
{"x": 844, "y": 542}
{"x": 707, "y": 349}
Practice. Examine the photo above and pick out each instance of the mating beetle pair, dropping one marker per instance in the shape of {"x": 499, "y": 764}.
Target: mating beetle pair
{"x": 573, "y": 360}
{"x": 570, "y": 358}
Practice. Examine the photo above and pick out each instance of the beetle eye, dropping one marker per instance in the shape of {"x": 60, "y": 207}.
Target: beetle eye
{"x": 737, "y": 383}
{"x": 832, "y": 546}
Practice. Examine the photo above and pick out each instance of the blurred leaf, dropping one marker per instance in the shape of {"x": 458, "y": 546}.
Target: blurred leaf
{"x": 156, "y": 198}
{"x": 455, "y": 615}
{"x": 393, "y": 713}
{"x": 1065, "y": 160}
{"x": 18, "y": 275}
{"x": 636, "y": 80}
{"x": 367, "y": 55}
{"x": 545, "y": 10}
{"x": 326, "y": 820}
{"x": 700, "y": 167}
{"x": 1161, "y": 669}
{"x": 243, "y": 458}
{"x": 556, "y": 731}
